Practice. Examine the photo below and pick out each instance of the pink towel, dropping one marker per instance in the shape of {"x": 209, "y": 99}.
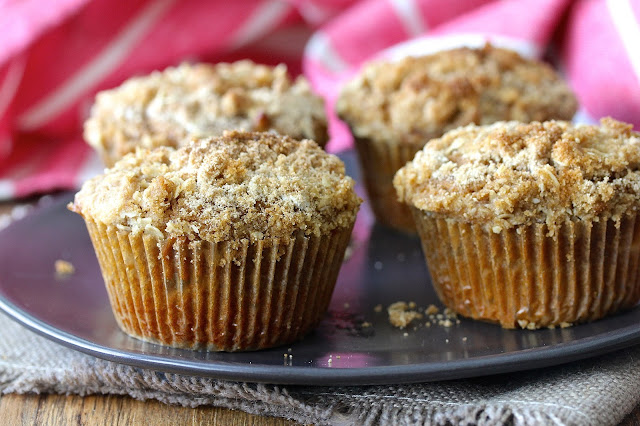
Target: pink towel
{"x": 56, "y": 55}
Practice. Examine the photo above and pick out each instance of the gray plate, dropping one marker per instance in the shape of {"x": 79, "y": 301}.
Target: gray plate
{"x": 385, "y": 267}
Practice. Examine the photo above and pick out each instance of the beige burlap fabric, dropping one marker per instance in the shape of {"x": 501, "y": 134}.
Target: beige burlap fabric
{"x": 599, "y": 391}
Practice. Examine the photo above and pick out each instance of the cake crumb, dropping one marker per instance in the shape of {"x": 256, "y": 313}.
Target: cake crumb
{"x": 432, "y": 310}
{"x": 64, "y": 268}
{"x": 366, "y": 324}
{"x": 445, "y": 323}
{"x": 347, "y": 253}
{"x": 377, "y": 308}
{"x": 378, "y": 265}
{"x": 400, "y": 315}
{"x": 464, "y": 339}
{"x": 450, "y": 313}
{"x": 346, "y": 305}
{"x": 565, "y": 324}
{"x": 405, "y": 334}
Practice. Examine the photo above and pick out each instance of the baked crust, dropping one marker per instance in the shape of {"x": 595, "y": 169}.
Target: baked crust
{"x": 235, "y": 187}
{"x": 161, "y": 109}
{"x": 509, "y": 173}
{"x": 419, "y": 98}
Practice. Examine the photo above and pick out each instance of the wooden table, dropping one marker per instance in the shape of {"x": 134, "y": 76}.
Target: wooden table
{"x": 121, "y": 410}
{"x": 52, "y": 409}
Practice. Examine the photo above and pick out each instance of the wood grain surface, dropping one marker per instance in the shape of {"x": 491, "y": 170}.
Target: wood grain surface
{"x": 121, "y": 410}
{"x": 117, "y": 410}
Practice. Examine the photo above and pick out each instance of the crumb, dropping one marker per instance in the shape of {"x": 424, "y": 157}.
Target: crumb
{"x": 565, "y": 324}
{"x": 337, "y": 356}
{"x": 432, "y": 310}
{"x": 446, "y": 340}
{"x": 347, "y": 253}
{"x": 445, "y": 323}
{"x": 464, "y": 339}
{"x": 405, "y": 334}
{"x": 346, "y": 305}
{"x": 378, "y": 265}
{"x": 412, "y": 305}
{"x": 377, "y": 308}
{"x": 366, "y": 324}
{"x": 427, "y": 324}
{"x": 450, "y": 313}
{"x": 289, "y": 350}
{"x": 64, "y": 268}
{"x": 400, "y": 316}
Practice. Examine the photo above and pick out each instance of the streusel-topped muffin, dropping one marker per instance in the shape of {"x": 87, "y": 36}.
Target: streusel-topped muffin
{"x": 530, "y": 225}
{"x": 394, "y": 109}
{"x": 162, "y": 108}
{"x": 228, "y": 243}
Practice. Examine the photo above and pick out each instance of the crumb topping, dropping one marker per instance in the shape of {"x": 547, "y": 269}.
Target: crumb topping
{"x": 511, "y": 173}
{"x": 237, "y": 186}
{"x": 419, "y": 98}
{"x": 161, "y": 109}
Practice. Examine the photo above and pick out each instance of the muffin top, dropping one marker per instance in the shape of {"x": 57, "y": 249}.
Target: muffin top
{"x": 162, "y": 108}
{"x": 419, "y": 98}
{"x": 511, "y": 173}
{"x": 240, "y": 185}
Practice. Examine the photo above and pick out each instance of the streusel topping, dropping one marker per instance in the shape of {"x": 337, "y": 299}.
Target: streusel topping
{"x": 161, "y": 109}
{"x": 419, "y": 98}
{"x": 510, "y": 173}
{"x": 237, "y": 186}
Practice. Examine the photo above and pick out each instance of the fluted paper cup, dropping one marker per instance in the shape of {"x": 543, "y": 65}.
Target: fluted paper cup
{"x": 218, "y": 296}
{"x": 522, "y": 277}
{"x": 379, "y": 162}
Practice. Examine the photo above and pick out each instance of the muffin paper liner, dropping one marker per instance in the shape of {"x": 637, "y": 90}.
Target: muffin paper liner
{"x": 522, "y": 277}
{"x": 218, "y": 296}
{"x": 379, "y": 163}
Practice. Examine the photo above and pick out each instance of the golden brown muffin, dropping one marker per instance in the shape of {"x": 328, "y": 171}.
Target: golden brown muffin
{"x": 393, "y": 109}
{"x": 530, "y": 225}
{"x": 227, "y": 243}
{"x": 161, "y": 109}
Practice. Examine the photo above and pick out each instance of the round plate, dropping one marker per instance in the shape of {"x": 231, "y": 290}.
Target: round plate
{"x": 355, "y": 344}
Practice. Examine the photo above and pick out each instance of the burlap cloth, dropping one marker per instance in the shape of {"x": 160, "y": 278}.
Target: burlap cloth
{"x": 598, "y": 391}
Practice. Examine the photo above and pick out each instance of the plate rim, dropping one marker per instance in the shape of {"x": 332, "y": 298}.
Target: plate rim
{"x": 491, "y": 364}
{"x": 510, "y": 362}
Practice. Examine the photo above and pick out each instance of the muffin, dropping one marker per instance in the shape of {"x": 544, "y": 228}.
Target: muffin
{"x": 228, "y": 243}
{"x": 530, "y": 225}
{"x": 393, "y": 109}
{"x": 161, "y": 109}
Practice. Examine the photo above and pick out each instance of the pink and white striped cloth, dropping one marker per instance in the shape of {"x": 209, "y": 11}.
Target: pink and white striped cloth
{"x": 55, "y": 56}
